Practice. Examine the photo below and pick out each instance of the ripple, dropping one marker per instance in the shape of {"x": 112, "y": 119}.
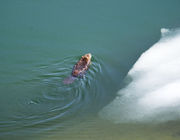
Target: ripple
{"x": 52, "y": 103}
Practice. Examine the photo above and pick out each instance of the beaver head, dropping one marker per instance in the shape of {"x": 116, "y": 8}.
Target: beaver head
{"x": 87, "y": 57}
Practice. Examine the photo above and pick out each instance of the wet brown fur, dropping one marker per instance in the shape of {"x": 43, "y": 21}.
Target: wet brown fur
{"x": 82, "y": 65}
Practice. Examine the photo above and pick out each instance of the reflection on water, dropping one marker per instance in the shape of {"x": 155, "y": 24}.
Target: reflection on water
{"x": 153, "y": 93}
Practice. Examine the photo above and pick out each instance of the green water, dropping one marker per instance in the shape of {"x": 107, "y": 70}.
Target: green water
{"x": 41, "y": 40}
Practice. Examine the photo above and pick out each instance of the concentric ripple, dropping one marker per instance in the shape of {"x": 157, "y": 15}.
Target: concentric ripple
{"x": 50, "y": 103}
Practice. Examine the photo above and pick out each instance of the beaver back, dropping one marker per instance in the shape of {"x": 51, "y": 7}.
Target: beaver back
{"x": 80, "y": 67}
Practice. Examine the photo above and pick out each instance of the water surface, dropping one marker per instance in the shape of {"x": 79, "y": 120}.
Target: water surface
{"x": 40, "y": 41}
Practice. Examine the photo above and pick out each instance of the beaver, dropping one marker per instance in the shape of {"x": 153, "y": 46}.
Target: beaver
{"x": 82, "y": 65}
{"x": 79, "y": 68}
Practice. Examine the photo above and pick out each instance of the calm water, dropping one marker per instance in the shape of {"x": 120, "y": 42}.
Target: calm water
{"x": 41, "y": 40}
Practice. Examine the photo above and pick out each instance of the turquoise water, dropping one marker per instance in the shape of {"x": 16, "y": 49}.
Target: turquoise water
{"x": 41, "y": 40}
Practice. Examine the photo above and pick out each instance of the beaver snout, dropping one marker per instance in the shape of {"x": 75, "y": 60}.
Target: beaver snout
{"x": 88, "y": 55}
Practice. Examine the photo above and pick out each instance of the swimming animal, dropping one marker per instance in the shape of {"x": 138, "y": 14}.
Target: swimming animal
{"x": 79, "y": 68}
